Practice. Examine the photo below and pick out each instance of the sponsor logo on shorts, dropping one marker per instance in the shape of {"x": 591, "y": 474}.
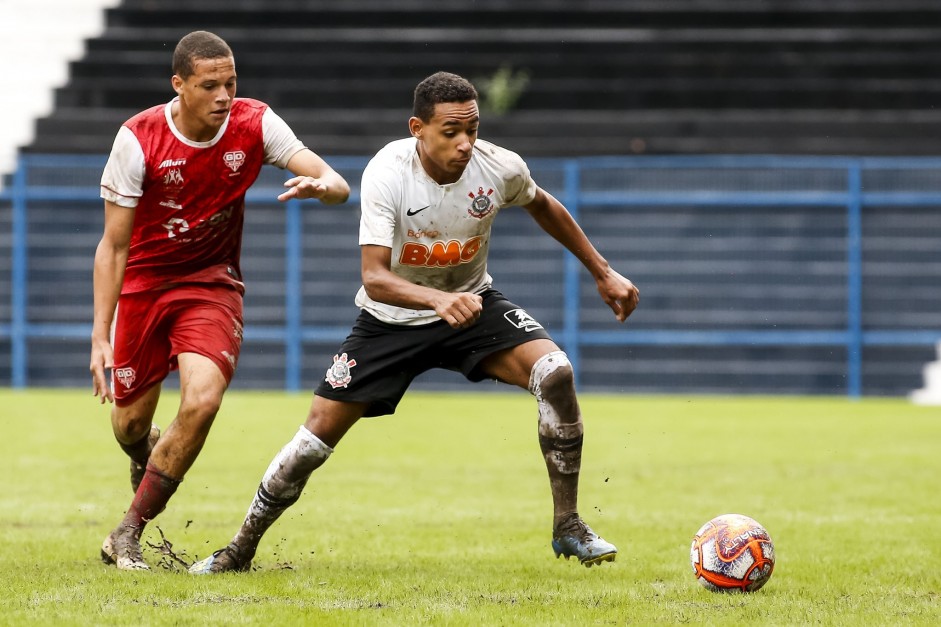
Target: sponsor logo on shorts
{"x": 522, "y": 320}
{"x": 338, "y": 375}
{"x": 126, "y": 376}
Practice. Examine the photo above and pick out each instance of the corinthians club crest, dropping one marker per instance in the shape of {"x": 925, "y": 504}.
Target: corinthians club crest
{"x": 481, "y": 204}
{"x": 338, "y": 375}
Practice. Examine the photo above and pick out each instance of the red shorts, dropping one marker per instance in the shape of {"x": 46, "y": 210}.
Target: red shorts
{"x": 152, "y": 328}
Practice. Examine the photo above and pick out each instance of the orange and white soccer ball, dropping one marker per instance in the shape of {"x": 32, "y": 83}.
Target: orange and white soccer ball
{"x": 732, "y": 553}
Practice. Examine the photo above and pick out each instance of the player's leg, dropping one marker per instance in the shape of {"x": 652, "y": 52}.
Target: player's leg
{"x": 368, "y": 377}
{"x": 202, "y": 385}
{"x": 205, "y": 337}
{"x": 135, "y": 432}
{"x": 141, "y": 353}
{"x": 141, "y": 356}
{"x": 197, "y": 329}
{"x": 130, "y": 425}
{"x": 540, "y": 367}
{"x": 284, "y": 480}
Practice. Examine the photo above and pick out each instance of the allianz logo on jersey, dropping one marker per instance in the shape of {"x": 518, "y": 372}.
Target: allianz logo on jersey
{"x": 440, "y": 254}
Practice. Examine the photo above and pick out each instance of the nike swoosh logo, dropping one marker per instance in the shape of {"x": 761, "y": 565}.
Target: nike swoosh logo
{"x": 412, "y": 212}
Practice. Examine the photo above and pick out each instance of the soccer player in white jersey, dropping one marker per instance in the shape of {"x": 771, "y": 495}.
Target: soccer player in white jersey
{"x": 427, "y": 302}
{"x": 167, "y": 281}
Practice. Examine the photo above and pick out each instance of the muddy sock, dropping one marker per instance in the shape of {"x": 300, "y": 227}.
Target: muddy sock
{"x": 563, "y": 457}
{"x": 552, "y": 382}
{"x": 151, "y": 498}
{"x": 280, "y": 488}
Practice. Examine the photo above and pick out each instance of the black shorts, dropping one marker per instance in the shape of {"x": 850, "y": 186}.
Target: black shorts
{"x": 378, "y": 361}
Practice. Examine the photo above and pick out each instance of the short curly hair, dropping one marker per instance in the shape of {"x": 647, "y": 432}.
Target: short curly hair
{"x": 198, "y": 45}
{"x": 440, "y": 87}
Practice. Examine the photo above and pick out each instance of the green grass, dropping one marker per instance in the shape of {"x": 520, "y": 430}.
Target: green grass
{"x": 441, "y": 514}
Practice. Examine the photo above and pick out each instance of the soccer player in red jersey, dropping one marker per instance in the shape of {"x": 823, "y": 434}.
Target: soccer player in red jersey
{"x": 167, "y": 282}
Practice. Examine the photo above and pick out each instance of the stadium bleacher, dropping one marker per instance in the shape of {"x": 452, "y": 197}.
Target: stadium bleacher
{"x": 843, "y": 77}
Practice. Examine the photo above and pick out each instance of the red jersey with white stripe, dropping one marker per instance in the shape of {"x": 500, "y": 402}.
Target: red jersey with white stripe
{"x": 189, "y": 196}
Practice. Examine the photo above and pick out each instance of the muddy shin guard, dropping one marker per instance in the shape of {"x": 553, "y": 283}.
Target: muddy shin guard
{"x": 281, "y": 486}
{"x": 552, "y": 382}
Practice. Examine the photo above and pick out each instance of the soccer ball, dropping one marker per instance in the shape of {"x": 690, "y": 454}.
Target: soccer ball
{"x": 732, "y": 553}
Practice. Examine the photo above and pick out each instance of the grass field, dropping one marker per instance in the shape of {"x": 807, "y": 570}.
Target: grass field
{"x": 441, "y": 514}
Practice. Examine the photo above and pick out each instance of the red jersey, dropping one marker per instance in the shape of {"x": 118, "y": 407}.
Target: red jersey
{"x": 188, "y": 222}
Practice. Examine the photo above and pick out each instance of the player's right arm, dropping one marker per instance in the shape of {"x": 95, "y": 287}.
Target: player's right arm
{"x": 110, "y": 262}
{"x": 458, "y": 309}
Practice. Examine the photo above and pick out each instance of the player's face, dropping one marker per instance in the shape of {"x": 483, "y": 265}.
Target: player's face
{"x": 205, "y": 97}
{"x": 446, "y": 141}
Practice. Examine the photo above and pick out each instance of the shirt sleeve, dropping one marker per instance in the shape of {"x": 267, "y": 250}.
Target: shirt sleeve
{"x": 520, "y": 186}
{"x": 122, "y": 181}
{"x": 378, "y": 205}
{"x": 280, "y": 141}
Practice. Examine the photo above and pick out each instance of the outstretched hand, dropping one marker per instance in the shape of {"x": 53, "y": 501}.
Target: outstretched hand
{"x": 619, "y": 293}
{"x": 303, "y": 187}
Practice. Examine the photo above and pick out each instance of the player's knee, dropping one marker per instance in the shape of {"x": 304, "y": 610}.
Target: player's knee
{"x": 552, "y": 376}
{"x": 130, "y": 426}
{"x": 200, "y": 408}
{"x": 552, "y": 382}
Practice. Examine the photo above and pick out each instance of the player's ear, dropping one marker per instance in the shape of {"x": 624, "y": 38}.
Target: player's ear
{"x": 177, "y": 83}
{"x": 415, "y": 127}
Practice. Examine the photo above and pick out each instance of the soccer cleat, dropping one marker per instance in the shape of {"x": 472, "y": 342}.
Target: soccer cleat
{"x": 138, "y": 470}
{"x": 122, "y": 549}
{"x": 225, "y": 560}
{"x": 574, "y": 538}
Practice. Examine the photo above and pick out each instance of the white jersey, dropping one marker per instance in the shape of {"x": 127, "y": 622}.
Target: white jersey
{"x": 439, "y": 234}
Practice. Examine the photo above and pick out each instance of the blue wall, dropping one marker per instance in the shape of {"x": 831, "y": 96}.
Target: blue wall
{"x": 757, "y": 274}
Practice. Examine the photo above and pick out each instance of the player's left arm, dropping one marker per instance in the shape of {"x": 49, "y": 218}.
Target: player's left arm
{"x": 620, "y": 294}
{"x": 315, "y": 179}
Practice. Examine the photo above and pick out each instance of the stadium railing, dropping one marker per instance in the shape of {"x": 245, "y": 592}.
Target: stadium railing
{"x": 822, "y": 253}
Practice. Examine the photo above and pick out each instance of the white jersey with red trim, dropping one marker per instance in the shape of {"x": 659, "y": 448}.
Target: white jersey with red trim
{"x": 439, "y": 234}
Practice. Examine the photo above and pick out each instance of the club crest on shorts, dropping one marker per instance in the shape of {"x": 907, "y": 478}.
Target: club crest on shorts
{"x": 338, "y": 375}
{"x": 126, "y": 376}
{"x": 481, "y": 204}
{"x": 522, "y": 320}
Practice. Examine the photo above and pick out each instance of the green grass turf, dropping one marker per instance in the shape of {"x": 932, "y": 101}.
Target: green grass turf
{"x": 441, "y": 514}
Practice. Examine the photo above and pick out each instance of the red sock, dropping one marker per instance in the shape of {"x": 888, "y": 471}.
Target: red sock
{"x": 152, "y": 496}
